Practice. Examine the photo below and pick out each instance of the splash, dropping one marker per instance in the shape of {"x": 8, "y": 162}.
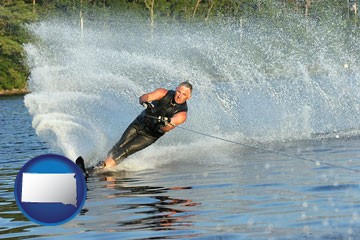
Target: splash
{"x": 266, "y": 79}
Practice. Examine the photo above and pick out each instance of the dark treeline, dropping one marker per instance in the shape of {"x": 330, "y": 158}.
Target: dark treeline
{"x": 15, "y": 14}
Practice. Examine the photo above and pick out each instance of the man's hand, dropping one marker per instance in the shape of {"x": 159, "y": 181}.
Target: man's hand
{"x": 164, "y": 120}
{"x": 148, "y": 105}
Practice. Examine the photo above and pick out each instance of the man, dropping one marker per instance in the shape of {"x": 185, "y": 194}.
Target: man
{"x": 165, "y": 109}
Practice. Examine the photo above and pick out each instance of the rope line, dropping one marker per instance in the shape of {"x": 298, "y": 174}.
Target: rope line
{"x": 270, "y": 150}
{"x": 318, "y": 163}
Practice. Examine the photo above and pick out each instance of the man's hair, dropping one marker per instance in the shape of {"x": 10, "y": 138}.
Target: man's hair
{"x": 186, "y": 84}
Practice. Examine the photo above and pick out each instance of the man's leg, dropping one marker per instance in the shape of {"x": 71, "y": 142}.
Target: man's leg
{"x": 141, "y": 141}
{"x": 130, "y": 133}
{"x": 133, "y": 139}
{"x": 136, "y": 144}
{"x": 117, "y": 150}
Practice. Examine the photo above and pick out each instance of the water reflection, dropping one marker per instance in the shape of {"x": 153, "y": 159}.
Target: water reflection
{"x": 153, "y": 207}
{"x": 12, "y": 221}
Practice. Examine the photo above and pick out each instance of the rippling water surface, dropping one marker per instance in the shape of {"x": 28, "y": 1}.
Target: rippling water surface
{"x": 282, "y": 92}
{"x": 249, "y": 194}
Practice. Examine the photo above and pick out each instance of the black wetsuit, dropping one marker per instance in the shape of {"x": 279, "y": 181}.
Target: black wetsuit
{"x": 145, "y": 129}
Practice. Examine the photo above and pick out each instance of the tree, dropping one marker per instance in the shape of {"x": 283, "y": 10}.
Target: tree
{"x": 150, "y": 5}
{"x": 13, "y": 71}
{"x": 211, "y": 5}
{"x": 196, "y": 7}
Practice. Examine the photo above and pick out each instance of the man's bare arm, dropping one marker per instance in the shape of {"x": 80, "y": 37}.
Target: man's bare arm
{"x": 152, "y": 96}
{"x": 176, "y": 120}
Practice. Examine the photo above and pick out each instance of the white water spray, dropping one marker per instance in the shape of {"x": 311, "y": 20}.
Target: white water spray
{"x": 263, "y": 81}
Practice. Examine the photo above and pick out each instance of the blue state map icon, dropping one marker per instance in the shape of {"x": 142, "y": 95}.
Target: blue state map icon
{"x": 50, "y": 189}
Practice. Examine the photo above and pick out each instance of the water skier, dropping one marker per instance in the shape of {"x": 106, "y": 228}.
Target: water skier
{"x": 165, "y": 109}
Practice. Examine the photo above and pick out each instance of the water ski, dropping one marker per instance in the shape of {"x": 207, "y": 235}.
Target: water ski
{"x": 81, "y": 164}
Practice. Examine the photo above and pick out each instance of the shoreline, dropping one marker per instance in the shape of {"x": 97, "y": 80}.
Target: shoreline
{"x": 14, "y": 92}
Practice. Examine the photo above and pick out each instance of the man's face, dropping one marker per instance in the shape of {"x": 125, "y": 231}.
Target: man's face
{"x": 182, "y": 94}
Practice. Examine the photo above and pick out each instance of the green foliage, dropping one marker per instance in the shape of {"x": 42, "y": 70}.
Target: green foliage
{"x": 12, "y": 75}
{"x": 13, "y": 16}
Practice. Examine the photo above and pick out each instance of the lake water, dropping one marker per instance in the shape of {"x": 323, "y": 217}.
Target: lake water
{"x": 238, "y": 194}
{"x": 279, "y": 95}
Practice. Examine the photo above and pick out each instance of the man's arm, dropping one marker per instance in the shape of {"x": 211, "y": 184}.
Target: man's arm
{"x": 152, "y": 96}
{"x": 176, "y": 120}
